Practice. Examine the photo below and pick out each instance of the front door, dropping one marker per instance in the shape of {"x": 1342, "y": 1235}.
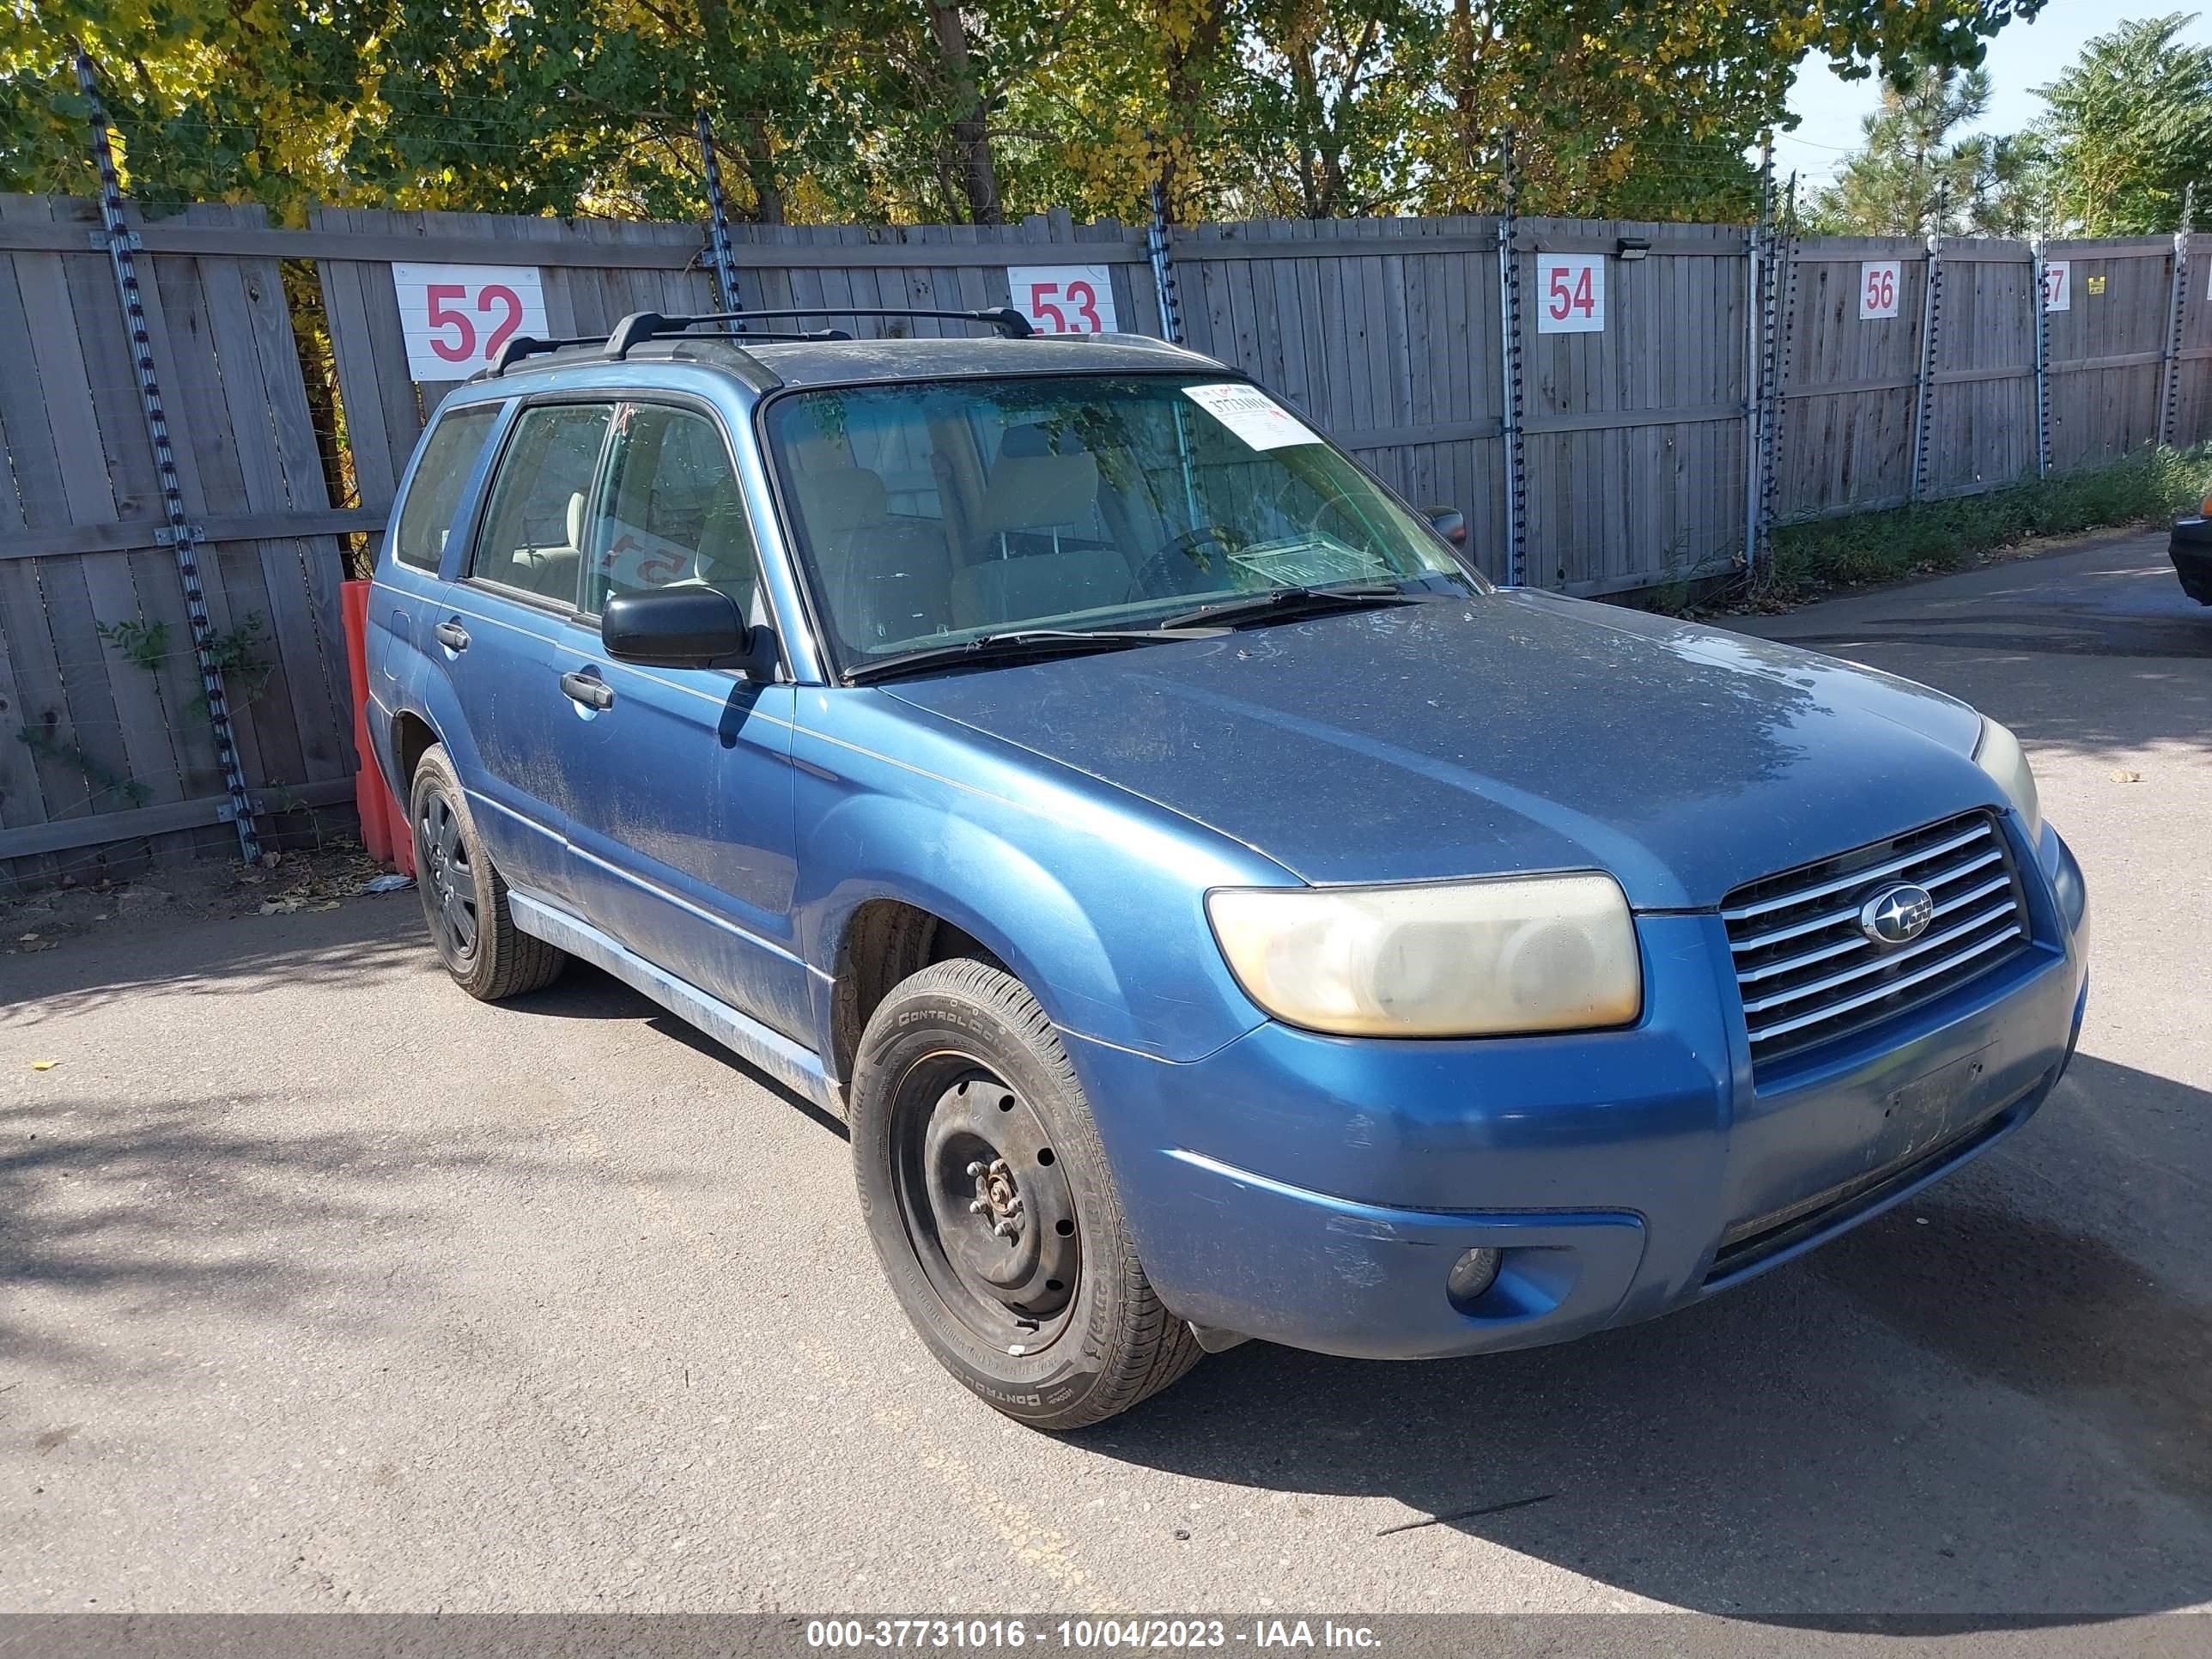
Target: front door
{"x": 499, "y": 634}
{"x": 681, "y": 822}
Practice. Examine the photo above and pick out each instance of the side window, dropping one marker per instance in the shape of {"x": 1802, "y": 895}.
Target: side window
{"x": 670, "y": 512}
{"x": 428, "y": 516}
{"x": 532, "y": 530}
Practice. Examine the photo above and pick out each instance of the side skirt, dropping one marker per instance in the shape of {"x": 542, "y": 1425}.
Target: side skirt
{"x": 794, "y": 1066}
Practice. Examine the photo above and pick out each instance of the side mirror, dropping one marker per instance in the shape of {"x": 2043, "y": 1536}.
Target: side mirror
{"x": 1447, "y": 522}
{"x": 686, "y": 628}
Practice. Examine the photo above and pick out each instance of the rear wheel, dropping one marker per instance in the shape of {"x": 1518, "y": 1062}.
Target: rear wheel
{"x": 989, "y": 1200}
{"x": 463, "y": 898}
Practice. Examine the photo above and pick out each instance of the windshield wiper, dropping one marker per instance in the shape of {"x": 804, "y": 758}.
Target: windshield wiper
{"x": 1283, "y": 603}
{"x": 1021, "y": 645}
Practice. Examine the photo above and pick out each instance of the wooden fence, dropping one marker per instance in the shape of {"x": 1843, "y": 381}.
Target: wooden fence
{"x": 1621, "y": 455}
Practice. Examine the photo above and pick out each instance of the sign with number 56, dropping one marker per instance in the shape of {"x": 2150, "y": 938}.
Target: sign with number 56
{"x": 1570, "y": 293}
{"x": 456, "y": 318}
{"x": 1064, "y": 299}
{"x": 1878, "y": 290}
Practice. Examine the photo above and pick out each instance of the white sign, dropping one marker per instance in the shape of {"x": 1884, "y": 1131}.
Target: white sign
{"x": 457, "y": 317}
{"x": 1064, "y": 299}
{"x": 1878, "y": 283}
{"x": 1252, "y": 415}
{"x": 2058, "y": 286}
{"x": 1570, "y": 293}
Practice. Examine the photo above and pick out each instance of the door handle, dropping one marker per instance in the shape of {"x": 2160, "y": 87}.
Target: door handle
{"x": 452, "y": 635}
{"x": 588, "y": 689}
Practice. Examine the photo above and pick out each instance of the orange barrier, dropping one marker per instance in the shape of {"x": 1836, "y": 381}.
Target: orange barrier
{"x": 383, "y": 828}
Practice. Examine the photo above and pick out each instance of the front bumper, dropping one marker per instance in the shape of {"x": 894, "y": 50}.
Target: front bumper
{"x": 1316, "y": 1191}
{"x": 2191, "y": 550}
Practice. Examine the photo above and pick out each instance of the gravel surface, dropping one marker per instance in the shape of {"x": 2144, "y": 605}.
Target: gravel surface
{"x": 324, "y": 1287}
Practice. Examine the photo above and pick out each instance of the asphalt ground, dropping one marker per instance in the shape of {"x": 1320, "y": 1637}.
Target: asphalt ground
{"x": 323, "y": 1287}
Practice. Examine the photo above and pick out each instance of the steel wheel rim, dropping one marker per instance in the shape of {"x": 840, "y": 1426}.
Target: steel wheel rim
{"x": 448, "y": 878}
{"x": 986, "y": 1203}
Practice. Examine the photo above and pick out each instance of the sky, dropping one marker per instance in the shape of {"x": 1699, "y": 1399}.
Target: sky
{"x": 2021, "y": 58}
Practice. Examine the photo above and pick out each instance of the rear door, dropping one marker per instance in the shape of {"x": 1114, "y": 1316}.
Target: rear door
{"x": 500, "y": 638}
{"x": 682, "y": 819}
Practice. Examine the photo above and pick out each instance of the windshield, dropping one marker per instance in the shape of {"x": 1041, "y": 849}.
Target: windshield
{"x": 939, "y": 513}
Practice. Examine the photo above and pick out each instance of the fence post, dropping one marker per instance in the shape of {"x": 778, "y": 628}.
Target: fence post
{"x": 1782, "y": 283}
{"x": 1931, "y": 308}
{"x": 1508, "y": 314}
{"x": 2042, "y": 361}
{"x": 718, "y": 222}
{"x": 1759, "y": 314}
{"x": 2177, "y": 307}
{"x": 183, "y": 535}
{"x": 1163, "y": 279}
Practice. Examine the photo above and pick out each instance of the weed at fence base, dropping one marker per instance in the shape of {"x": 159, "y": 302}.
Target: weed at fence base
{"x": 1921, "y": 537}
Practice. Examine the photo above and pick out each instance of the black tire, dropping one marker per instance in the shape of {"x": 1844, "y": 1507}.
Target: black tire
{"x": 464, "y": 898}
{"x": 1055, "y": 1324}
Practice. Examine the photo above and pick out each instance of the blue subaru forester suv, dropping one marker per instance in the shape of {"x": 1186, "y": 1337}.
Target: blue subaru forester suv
{"x": 1216, "y": 910}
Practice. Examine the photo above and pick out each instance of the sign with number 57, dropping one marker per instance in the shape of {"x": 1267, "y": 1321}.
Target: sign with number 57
{"x": 1064, "y": 299}
{"x": 456, "y": 318}
{"x": 1570, "y": 293}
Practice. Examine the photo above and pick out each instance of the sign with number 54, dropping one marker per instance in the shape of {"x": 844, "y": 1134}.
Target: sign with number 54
{"x": 456, "y": 318}
{"x": 1570, "y": 293}
{"x": 1064, "y": 299}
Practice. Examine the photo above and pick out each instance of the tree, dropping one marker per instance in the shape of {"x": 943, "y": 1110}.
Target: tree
{"x": 974, "y": 110}
{"x": 1911, "y": 177}
{"x": 2129, "y": 128}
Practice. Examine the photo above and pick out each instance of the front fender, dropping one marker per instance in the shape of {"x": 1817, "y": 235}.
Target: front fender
{"x": 1095, "y": 899}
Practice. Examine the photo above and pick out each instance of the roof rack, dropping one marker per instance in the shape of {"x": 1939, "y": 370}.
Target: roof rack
{"x": 640, "y": 326}
{"x": 645, "y": 325}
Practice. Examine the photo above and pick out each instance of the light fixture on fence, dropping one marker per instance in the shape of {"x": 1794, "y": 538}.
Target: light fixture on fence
{"x": 1633, "y": 248}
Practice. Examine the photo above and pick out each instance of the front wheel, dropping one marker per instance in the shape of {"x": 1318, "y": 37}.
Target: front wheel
{"x": 989, "y": 1198}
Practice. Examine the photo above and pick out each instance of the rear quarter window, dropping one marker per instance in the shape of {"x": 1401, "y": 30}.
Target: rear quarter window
{"x": 426, "y": 519}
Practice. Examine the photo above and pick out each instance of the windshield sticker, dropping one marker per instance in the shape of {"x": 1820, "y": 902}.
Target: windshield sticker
{"x": 1253, "y": 415}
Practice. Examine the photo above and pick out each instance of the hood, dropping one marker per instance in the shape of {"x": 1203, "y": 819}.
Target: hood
{"x": 1497, "y": 733}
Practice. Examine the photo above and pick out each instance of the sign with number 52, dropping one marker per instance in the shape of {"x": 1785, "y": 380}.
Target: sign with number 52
{"x": 456, "y": 318}
{"x": 1878, "y": 290}
{"x": 1064, "y": 299}
{"x": 1570, "y": 293}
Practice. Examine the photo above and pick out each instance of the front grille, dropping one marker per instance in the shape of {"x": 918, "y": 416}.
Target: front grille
{"x": 1809, "y": 976}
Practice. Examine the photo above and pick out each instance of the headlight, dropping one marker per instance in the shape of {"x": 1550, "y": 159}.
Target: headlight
{"x": 1470, "y": 958}
{"x": 1997, "y": 752}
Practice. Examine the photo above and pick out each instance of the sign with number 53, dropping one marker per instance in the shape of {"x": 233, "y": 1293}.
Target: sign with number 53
{"x": 1064, "y": 299}
{"x": 1570, "y": 293}
{"x": 456, "y": 318}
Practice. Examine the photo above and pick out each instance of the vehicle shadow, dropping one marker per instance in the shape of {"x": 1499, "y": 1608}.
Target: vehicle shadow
{"x": 1982, "y": 1404}
{"x": 584, "y": 992}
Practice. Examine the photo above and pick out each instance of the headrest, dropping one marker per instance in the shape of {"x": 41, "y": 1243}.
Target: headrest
{"x": 836, "y": 499}
{"x": 576, "y": 519}
{"x": 1031, "y": 441}
{"x": 1033, "y": 489}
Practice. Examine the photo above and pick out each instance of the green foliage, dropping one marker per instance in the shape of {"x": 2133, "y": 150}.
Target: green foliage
{"x": 1943, "y": 535}
{"x": 1911, "y": 177}
{"x": 2129, "y": 128}
{"x": 246, "y": 671}
{"x": 105, "y": 783}
{"x": 904, "y": 110}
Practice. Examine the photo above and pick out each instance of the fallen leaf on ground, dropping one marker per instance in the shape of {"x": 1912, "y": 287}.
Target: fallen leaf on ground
{"x": 2125, "y": 776}
{"x": 44, "y": 1065}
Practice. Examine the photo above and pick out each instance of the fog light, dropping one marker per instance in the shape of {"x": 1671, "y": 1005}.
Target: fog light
{"x": 1471, "y": 1275}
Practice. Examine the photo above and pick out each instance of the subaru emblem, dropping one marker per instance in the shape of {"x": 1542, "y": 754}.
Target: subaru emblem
{"x": 1897, "y": 914}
